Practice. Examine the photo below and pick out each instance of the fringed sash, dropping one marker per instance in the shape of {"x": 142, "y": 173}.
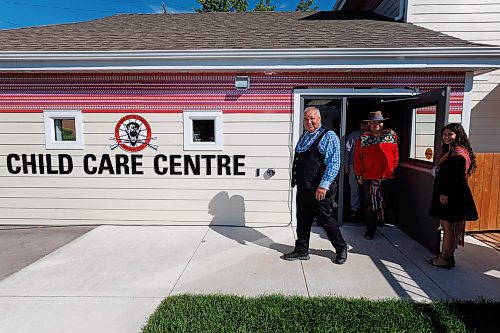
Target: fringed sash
{"x": 376, "y": 200}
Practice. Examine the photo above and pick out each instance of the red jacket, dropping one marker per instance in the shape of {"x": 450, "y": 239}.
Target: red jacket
{"x": 376, "y": 157}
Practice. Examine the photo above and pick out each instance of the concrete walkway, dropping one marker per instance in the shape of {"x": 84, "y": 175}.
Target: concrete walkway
{"x": 111, "y": 278}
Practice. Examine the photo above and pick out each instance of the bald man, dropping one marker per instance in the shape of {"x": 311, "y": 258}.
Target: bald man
{"x": 315, "y": 166}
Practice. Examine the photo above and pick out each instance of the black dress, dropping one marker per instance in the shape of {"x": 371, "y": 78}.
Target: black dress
{"x": 450, "y": 181}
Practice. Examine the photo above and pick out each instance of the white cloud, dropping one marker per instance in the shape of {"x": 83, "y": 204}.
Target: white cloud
{"x": 283, "y": 5}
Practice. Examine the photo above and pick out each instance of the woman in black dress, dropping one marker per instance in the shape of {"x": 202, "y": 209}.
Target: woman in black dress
{"x": 452, "y": 201}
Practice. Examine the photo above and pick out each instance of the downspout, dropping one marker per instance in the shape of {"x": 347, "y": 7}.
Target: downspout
{"x": 401, "y": 13}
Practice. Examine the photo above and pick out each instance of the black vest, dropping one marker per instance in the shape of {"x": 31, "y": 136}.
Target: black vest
{"x": 309, "y": 166}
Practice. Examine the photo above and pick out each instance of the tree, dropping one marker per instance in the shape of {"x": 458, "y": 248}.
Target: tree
{"x": 264, "y": 6}
{"x": 222, "y": 6}
{"x": 305, "y": 5}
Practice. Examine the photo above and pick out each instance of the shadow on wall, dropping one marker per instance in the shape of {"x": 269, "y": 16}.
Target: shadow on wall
{"x": 485, "y": 120}
{"x": 228, "y": 213}
{"x": 227, "y": 210}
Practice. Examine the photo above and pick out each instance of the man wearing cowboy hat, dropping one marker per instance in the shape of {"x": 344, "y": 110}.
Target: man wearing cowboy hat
{"x": 375, "y": 159}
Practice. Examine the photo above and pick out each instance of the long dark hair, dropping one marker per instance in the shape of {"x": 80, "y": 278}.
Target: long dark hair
{"x": 462, "y": 141}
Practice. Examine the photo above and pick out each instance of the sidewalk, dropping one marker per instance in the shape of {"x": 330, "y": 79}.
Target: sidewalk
{"x": 113, "y": 277}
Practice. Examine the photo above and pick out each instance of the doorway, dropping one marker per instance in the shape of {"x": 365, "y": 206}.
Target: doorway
{"x": 416, "y": 118}
{"x": 357, "y": 110}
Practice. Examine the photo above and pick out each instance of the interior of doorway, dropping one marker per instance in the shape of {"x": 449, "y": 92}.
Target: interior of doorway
{"x": 358, "y": 109}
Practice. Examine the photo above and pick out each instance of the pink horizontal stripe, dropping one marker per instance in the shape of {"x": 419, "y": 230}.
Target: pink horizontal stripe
{"x": 180, "y": 111}
{"x": 21, "y": 110}
{"x": 174, "y": 92}
{"x": 162, "y": 94}
{"x": 146, "y": 103}
{"x": 232, "y": 111}
{"x": 145, "y": 111}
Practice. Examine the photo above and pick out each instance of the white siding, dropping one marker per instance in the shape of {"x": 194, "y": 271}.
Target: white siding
{"x": 425, "y": 127}
{"x": 389, "y": 8}
{"x": 477, "y": 21}
{"x": 265, "y": 139}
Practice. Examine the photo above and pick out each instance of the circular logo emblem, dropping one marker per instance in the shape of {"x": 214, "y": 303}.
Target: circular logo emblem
{"x": 428, "y": 153}
{"x": 132, "y": 133}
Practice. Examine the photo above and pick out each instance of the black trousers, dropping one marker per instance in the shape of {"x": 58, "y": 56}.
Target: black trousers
{"x": 308, "y": 208}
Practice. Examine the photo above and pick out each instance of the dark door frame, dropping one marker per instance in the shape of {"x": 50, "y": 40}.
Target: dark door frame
{"x": 416, "y": 177}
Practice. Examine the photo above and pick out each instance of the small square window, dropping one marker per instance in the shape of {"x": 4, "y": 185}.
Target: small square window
{"x": 202, "y": 130}
{"x": 63, "y": 130}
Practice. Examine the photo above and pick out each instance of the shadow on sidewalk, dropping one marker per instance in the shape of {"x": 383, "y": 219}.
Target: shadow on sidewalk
{"x": 392, "y": 255}
{"x": 228, "y": 213}
{"x": 401, "y": 261}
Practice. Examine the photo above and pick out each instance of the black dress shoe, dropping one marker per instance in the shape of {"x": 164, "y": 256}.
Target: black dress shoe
{"x": 294, "y": 255}
{"x": 369, "y": 235}
{"x": 452, "y": 261}
{"x": 341, "y": 257}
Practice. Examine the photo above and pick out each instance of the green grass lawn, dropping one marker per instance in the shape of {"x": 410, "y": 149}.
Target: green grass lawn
{"x": 215, "y": 313}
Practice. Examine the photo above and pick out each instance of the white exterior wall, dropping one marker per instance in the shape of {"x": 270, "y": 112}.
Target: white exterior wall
{"x": 477, "y": 21}
{"x": 265, "y": 139}
{"x": 257, "y": 123}
{"x": 425, "y": 127}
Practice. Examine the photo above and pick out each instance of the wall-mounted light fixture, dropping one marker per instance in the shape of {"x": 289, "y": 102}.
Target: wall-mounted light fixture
{"x": 242, "y": 82}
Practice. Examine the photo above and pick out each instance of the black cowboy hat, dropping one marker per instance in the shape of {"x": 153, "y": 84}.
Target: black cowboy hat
{"x": 375, "y": 116}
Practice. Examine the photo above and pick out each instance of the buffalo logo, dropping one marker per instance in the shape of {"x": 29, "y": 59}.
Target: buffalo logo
{"x": 133, "y": 134}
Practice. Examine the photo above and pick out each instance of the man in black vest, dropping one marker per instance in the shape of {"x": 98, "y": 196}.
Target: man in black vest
{"x": 315, "y": 165}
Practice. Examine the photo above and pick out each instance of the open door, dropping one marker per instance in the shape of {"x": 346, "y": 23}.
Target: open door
{"x": 332, "y": 111}
{"x": 420, "y": 148}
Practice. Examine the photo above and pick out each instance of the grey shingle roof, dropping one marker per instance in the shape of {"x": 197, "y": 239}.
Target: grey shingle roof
{"x": 206, "y": 31}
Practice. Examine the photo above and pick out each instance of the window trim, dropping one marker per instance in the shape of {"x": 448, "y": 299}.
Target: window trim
{"x": 48, "y": 118}
{"x": 189, "y": 116}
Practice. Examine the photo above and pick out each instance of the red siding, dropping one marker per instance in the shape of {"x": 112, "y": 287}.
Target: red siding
{"x": 172, "y": 93}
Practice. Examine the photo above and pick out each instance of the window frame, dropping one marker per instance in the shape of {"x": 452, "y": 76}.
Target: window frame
{"x": 189, "y": 116}
{"x": 49, "y": 117}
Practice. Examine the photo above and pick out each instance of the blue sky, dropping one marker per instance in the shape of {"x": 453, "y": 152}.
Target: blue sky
{"x": 22, "y": 13}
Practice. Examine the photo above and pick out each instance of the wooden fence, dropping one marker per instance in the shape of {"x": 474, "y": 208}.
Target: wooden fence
{"x": 485, "y": 183}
